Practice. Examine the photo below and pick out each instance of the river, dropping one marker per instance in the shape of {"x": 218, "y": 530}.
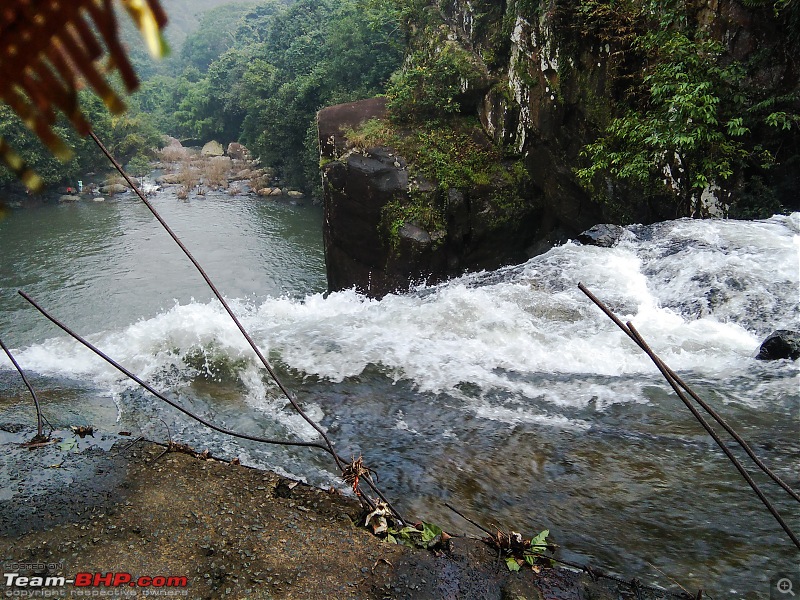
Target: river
{"x": 507, "y": 394}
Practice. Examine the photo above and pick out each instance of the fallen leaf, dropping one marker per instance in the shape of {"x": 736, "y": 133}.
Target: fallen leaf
{"x": 512, "y": 564}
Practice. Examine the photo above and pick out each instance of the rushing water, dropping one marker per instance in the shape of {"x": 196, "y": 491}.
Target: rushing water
{"x": 507, "y": 394}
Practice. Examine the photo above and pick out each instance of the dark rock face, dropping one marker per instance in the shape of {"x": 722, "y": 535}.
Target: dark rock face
{"x": 333, "y": 121}
{"x": 605, "y": 235}
{"x": 362, "y": 250}
{"x": 356, "y": 190}
{"x": 780, "y": 344}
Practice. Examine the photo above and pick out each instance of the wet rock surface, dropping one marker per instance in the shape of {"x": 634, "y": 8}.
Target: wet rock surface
{"x": 780, "y": 344}
{"x": 232, "y": 531}
{"x": 604, "y": 236}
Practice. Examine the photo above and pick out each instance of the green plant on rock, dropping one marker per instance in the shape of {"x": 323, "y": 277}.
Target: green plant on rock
{"x": 418, "y": 209}
{"x": 424, "y": 88}
{"x": 528, "y": 552}
{"x": 415, "y": 537}
{"x": 372, "y": 133}
{"x": 683, "y": 135}
{"x": 434, "y": 79}
{"x": 454, "y": 154}
{"x": 507, "y": 206}
{"x": 453, "y": 159}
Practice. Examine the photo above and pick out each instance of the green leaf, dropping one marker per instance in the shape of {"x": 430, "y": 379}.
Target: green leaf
{"x": 530, "y": 559}
{"x": 430, "y": 531}
{"x": 538, "y": 543}
{"x": 512, "y": 564}
{"x": 68, "y": 444}
{"x": 405, "y": 542}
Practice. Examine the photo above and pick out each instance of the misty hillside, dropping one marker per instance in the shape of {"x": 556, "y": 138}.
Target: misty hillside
{"x": 184, "y": 16}
{"x": 184, "y": 19}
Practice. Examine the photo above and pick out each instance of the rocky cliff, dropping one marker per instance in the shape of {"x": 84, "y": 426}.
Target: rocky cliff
{"x": 540, "y": 81}
{"x": 387, "y": 226}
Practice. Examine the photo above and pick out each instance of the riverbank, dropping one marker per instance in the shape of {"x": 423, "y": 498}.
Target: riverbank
{"x": 229, "y": 530}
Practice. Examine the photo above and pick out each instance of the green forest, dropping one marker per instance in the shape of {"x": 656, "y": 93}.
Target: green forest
{"x": 251, "y": 72}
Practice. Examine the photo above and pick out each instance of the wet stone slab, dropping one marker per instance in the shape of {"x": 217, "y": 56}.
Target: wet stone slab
{"x": 232, "y": 531}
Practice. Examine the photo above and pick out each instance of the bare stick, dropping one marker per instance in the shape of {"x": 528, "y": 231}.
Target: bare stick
{"x": 739, "y": 467}
{"x": 189, "y": 413}
{"x": 685, "y": 591}
{"x": 289, "y": 396}
{"x": 631, "y": 331}
{"x": 466, "y": 518}
{"x": 169, "y": 442}
{"x": 225, "y": 305}
{"x": 39, "y": 434}
{"x": 716, "y": 416}
{"x": 159, "y": 395}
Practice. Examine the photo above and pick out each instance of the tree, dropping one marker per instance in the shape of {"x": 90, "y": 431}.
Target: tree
{"x": 215, "y": 35}
{"x": 310, "y": 55}
{"x": 126, "y": 136}
{"x": 286, "y": 60}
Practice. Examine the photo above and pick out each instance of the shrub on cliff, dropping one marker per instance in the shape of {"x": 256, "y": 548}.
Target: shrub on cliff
{"x": 433, "y": 84}
{"x": 692, "y": 120}
{"x": 683, "y": 135}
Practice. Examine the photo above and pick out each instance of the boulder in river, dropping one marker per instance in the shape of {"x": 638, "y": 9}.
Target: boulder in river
{"x": 114, "y": 188}
{"x": 604, "y": 235}
{"x": 69, "y": 198}
{"x": 169, "y": 178}
{"x": 238, "y": 151}
{"x": 241, "y": 175}
{"x": 780, "y": 344}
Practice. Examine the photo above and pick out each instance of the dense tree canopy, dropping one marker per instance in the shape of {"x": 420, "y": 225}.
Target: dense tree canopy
{"x": 281, "y": 63}
{"x": 128, "y": 135}
{"x": 252, "y": 72}
{"x": 257, "y": 72}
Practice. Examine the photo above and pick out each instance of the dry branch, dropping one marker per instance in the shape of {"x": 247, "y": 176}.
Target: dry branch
{"x": 679, "y": 387}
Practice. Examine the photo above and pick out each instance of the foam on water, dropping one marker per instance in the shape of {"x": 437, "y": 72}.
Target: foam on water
{"x": 703, "y": 293}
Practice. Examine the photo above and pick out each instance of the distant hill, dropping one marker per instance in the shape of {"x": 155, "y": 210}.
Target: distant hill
{"x": 184, "y": 16}
{"x": 184, "y": 19}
